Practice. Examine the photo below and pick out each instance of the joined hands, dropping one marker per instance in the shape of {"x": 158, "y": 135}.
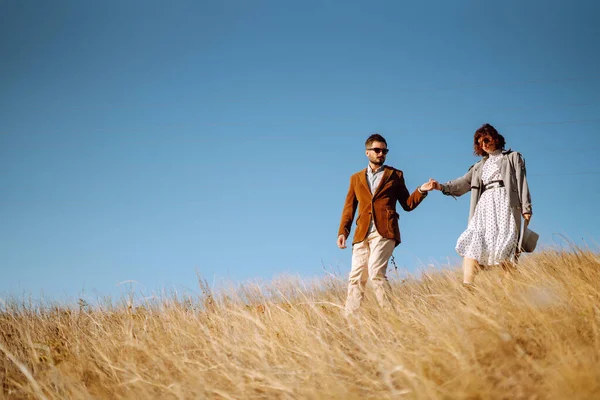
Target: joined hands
{"x": 430, "y": 185}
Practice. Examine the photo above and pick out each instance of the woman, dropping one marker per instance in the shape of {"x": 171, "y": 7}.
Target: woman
{"x": 499, "y": 197}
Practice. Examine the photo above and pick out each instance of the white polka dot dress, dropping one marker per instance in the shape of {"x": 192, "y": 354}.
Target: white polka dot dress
{"x": 491, "y": 236}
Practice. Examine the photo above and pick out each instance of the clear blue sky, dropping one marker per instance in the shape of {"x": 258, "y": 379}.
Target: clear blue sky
{"x": 146, "y": 140}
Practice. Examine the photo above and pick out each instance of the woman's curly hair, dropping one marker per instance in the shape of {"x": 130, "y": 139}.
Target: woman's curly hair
{"x": 487, "y": 130}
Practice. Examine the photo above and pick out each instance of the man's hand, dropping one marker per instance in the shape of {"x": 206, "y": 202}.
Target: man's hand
{"x": 341, "y": 242}
{"x": 432, "y": 184}
{"x": 527, "y": 217}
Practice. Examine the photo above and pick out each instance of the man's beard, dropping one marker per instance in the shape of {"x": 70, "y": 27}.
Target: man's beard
{"x": 378, "y": 161}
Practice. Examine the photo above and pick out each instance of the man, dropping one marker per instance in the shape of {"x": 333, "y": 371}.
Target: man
{"x": 375, "y": 191}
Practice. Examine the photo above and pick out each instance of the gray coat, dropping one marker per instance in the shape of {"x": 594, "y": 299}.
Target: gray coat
{"x": 515, "y": 181}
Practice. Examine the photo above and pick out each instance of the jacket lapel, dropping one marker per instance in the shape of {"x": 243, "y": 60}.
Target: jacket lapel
{"x": 505, "y": 162}
{"x": 387, "y": 172}
{"x": 363, "y": 180}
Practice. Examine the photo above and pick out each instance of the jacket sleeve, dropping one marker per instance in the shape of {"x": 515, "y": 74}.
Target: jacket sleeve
{"x": 522, "y": 185}
{"x": 348, "y": 211}
{"x": 408, "y": 201}
{"x": 458, "y": 186}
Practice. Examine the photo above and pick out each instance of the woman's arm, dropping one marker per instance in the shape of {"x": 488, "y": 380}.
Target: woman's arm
{"x": 458, "y": 186}
{"x": 522, "y": 185}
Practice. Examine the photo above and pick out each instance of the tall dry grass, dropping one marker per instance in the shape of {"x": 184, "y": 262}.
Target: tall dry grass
{"x": 533, "y": 334}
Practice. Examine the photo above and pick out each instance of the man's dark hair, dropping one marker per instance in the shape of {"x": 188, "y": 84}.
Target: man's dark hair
{"x": 376, "y": 137}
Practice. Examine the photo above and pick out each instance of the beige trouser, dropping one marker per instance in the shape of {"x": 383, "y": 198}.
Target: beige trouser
{"x": 369, "y": 261}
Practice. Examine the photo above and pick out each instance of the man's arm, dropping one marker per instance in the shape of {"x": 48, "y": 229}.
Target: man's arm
{"x": 409, "y": 201}
{"x": 348, "y": 212}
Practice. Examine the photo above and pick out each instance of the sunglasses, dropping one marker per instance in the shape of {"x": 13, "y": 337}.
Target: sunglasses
{"x": 377, "y": 150}
{"x": 485, "y": 140}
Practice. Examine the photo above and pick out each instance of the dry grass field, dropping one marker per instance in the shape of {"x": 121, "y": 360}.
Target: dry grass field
{"x": 531, "y": 334}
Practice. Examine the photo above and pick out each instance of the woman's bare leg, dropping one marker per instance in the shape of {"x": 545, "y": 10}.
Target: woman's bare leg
{"x": 470, "y": 269}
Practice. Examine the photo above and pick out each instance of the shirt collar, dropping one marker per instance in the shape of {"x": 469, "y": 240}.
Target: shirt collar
{"x": 376, "y": 171}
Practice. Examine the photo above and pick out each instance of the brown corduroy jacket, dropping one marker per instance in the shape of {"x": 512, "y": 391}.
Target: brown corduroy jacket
{"x": 381, "y": 205}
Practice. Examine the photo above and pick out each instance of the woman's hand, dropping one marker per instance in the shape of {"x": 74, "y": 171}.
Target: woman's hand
{"x": 430, "y": 185}
{"x": 527, "y": 217}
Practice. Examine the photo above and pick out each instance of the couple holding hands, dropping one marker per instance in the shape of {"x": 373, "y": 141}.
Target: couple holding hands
{"x": 500, "y": 198}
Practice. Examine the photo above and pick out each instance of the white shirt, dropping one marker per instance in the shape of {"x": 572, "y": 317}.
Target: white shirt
{"x": 373, "y": 179}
